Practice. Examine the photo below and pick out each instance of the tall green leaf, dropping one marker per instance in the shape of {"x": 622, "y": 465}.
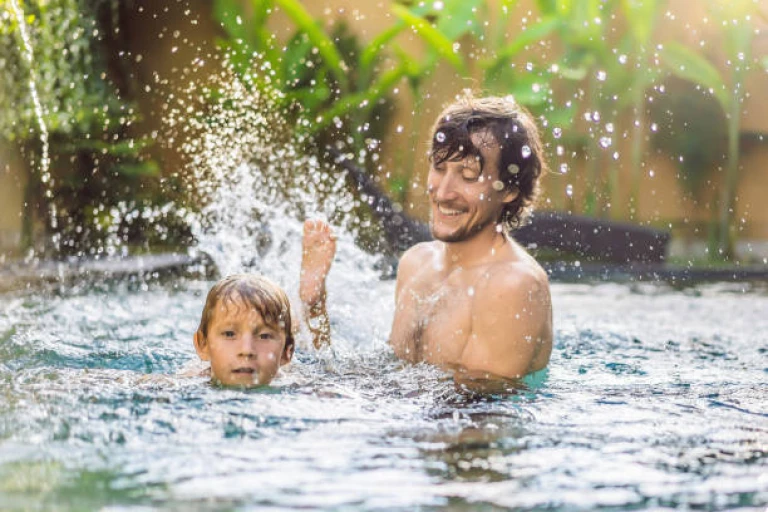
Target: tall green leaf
{"x": 436, "y": 40}
{"x": 325, "y": 47}
{"x": 459, "y": 17}
{"x": 362, "y": 99}
{"x": 689, "y": 65}
{"x": 530, "y": 35}
{"x": 376, "y": 46}
{"x": 640, "y": 16}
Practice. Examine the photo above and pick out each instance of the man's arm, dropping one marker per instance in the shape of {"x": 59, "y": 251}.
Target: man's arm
{"x": 401, "y": 336}
{"x": 511, "y": 325}
{"x": 318, "y": 249}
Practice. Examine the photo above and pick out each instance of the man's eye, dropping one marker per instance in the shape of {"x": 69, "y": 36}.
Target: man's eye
{"x": 470, "y": 174}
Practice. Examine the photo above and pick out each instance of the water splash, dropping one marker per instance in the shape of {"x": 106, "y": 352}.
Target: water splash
{"x": 45, "y": 161}
{"x": 255, "y": 179}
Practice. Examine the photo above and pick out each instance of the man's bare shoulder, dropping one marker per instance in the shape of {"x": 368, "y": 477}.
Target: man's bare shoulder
{"x": 415, "y": 257}
{"x": 519, "y": 280}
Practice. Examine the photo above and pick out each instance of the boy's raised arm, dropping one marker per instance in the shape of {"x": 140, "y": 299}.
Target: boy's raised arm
{"x": 318, "y": 249}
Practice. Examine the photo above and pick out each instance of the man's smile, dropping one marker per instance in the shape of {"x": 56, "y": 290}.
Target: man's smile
{"x": 450, "y": 212}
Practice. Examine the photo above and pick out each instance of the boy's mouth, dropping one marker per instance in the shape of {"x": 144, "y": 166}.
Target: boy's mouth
{"x": 246, "y": 371}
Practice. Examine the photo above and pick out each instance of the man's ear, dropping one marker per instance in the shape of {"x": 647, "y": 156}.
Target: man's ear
{"x": 201, "y": 346}
{"x": 510, "y": 194}
{"x": 287, "y": 352}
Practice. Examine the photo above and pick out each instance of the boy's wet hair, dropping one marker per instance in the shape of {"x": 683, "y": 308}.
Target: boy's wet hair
{"x": 512, "y": 128}
{"x": 252, "y": 291}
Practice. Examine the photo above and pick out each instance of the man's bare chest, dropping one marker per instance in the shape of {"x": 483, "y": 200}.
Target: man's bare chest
{"x": 437, "y": 316}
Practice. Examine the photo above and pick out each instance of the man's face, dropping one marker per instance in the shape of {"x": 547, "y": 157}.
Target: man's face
{"x": 242, "y": 348}
{"x": 463, "y": 198}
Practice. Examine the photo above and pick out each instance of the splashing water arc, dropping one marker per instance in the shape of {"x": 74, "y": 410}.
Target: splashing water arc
{"x": 45, "y": 162}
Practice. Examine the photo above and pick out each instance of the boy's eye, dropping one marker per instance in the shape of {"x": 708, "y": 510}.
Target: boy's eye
{"x": 229, "y": 334}
{"x": 266, "y": 336}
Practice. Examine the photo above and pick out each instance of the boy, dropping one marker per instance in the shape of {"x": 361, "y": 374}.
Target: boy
{"x": 246, "y": 329}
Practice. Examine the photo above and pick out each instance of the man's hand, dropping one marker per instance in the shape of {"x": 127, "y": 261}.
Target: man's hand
{"x": 318, "y": 249}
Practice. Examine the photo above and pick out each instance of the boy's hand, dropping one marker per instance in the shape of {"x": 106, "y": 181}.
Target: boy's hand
{"x": 318, "y": 249}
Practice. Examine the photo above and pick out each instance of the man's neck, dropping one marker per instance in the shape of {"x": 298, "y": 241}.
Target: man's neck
{"x": 475, "y": 250}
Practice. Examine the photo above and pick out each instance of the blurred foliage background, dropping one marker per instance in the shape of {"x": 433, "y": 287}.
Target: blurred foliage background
{"x": 608, "y": 88}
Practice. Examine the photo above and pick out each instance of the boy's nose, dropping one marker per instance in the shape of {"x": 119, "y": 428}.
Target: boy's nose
{"x": 247, "y": 346}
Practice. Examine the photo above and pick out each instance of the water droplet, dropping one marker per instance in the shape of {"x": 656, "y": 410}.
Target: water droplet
{"x": 525, "y": 151}
{"x": 513, "y": 168}
{"x": 563, "y": 168}
{"x": 602, "y": 75}
{"x": 399, "y": 128}
{"x": 557, "y": 132}
{"x": 609, "y": 127}
{"x": 536, "y": 87}
{"x": 471, "y": 291}
{"x": 605, "y": 142}
{"x": 438, "y": 6}
{"x": 651, "y": 173}
{"x": 456, "y": 47}
{"x": 529, "y": 66}
{"x": 440, "y": 137}
{"x": 569, "y": 190}
{"x": 622, "y": 59}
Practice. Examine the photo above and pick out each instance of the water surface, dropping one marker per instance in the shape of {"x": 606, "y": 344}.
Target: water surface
{"x": 655, "y": 398}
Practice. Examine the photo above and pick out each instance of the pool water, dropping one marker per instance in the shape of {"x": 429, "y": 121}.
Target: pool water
{"x": 655, "y": 398}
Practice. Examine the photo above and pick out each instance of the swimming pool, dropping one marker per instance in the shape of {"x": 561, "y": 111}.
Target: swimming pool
{"x": 656, "y": 398}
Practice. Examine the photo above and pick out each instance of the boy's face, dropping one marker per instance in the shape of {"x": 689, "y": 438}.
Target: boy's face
{"x": 242, "y": 348}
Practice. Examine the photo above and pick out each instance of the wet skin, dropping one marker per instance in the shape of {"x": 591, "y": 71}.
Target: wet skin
{"x": 473, "y": 299}
{"x": 242, "y": 348}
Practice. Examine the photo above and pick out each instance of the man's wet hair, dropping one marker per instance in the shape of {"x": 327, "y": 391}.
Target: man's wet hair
{"x": 250, "y": 291}
{"x": 513, "y": 128}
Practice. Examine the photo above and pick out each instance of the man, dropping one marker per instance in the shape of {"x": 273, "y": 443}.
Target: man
{"x": 474, "y": 299}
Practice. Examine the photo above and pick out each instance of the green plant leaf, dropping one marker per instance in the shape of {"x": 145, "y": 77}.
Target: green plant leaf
{"x": 685, "y": 63}
{"x": 375, "y": 47}
{"x": 229, "y": 14}
{"x": 293, "y": 66}
{"x": 576, "y": 74}
{"x": 434, "y": 39}
{"x": 379, "y": 89}
{"x": 139, "y": 170}
{"x": 640, "y": 16}
{"x": 325, "y": 47}
{"x": 530, "y": 35}
{"x": 458, "y": 17}
{"x": 120, "y": 149}
{"x": 547, "y": 7}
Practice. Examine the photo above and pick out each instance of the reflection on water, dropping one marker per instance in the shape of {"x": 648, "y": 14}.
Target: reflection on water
{"x": 655, "y": 398}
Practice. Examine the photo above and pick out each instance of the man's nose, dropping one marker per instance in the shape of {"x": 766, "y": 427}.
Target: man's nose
{"x": 444, "y": 187}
